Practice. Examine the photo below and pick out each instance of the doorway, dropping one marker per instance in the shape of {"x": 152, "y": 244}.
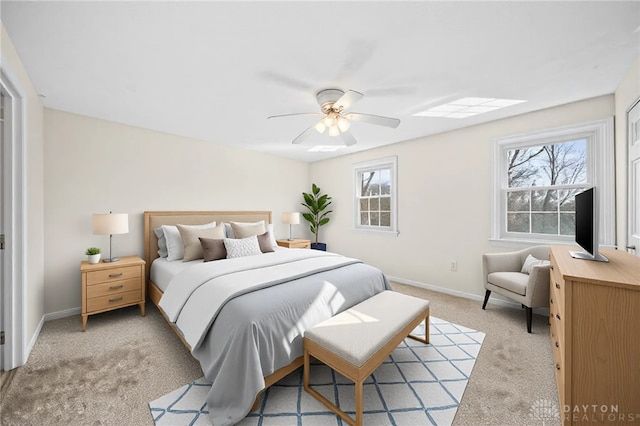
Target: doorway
{"x": 12, "y": 220}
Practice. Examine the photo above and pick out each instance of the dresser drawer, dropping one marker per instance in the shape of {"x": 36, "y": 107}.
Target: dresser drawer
{"x": 114, "y": 287}
{"x": 113, "y": 300}
{"x": 113, "y": 274}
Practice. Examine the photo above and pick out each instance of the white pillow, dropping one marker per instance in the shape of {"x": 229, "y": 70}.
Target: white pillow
{"x": 162, "y": 242}
{"x": 175, "y": 246}
{"x": 240, "y": 247}
{"x": 268, "y": 226}
{"x": 530, "y": 262}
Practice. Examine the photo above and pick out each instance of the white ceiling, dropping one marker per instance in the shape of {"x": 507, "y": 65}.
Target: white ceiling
{"x": 216, "y": 70}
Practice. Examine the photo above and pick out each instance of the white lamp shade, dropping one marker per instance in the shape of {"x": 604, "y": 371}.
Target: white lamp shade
{"x": 291, "y": 218}
{"x": 110, "y": 223}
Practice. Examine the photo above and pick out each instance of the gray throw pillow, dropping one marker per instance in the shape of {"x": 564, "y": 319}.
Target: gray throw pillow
{"x": 264, "y": 241}
{"x": 213, "y": 249}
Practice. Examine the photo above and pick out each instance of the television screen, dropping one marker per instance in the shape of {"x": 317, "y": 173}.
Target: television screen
{"x": 586, "y": 231}
{"x": 584, "y": 220}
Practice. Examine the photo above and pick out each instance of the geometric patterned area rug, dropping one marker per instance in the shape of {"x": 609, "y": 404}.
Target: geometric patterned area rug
{"x": 417, "y": 385}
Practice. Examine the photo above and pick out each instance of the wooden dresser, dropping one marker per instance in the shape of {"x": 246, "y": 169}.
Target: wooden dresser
{"x": 595, "y": 336}
{"x": 107, "y": 286}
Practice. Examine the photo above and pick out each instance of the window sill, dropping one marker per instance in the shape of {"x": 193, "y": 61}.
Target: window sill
{"x": 376, "y": 232}
{"x": 523, "y": 243}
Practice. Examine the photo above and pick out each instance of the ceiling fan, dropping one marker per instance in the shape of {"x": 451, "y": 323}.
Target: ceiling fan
{"x": 334, "y": 104}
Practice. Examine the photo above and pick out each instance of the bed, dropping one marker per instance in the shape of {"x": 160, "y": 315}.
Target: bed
{"x": 243, "y": 318}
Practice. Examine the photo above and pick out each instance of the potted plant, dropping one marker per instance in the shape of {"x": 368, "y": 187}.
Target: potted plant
{"x": 316, "y": 203}
{"x": 93, "y": 254}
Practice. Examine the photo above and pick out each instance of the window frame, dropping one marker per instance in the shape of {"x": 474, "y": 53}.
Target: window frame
{"x": 600, "y": 173}
{"x": 390, "y": 163}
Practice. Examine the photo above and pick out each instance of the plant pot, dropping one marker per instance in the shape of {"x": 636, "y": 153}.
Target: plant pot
{"x": 93, "y": 258}
{"x": 319, "y": 246}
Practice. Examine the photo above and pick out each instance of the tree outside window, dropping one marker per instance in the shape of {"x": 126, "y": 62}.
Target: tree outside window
{"x": 542, "y": 182}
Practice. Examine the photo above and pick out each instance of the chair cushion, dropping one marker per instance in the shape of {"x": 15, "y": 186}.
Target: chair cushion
{"x": 515, "y": 282}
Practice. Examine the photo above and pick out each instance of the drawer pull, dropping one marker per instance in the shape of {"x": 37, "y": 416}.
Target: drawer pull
{"x": 551, "y": 267}
{"x": 115, "y": 275}
{"x": 558, "y": 317}
{"x": 117, "y": 299}
{"x": 558, "y": 367}
{"x": 551, "y": 300}
{"x": 558, "y": 286}
{"x": 115, "y": 287}
{"x": 557, "y": 344}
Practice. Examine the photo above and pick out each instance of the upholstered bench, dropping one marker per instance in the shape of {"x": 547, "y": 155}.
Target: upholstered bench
{"x": 356, "y": 341}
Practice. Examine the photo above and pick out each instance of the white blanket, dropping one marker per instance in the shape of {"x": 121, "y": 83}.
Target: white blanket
{"x": 194, "y": 306}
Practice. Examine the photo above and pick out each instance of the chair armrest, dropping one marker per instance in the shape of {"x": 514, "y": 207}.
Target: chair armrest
{"x": 501, "y": 262}
{"x": 538, "y": 286}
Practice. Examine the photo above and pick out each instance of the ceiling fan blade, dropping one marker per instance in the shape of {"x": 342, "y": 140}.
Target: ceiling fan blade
{"x": 297, "y": 113}
{"x": 304, "y": 135}
{"x": 373, "y": 119}
{"x": 346, "y": 100}
{"x": 348, "y": 138}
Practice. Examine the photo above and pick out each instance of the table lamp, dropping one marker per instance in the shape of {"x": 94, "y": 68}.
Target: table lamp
{"x": 109, "y": 224}
{"x": 291, "y": 218}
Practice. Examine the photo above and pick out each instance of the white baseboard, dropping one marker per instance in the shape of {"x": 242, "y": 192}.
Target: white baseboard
{"x": 33, "y": 340}
{"x": 62, "y": 314}
{"x": 496, "y": 300}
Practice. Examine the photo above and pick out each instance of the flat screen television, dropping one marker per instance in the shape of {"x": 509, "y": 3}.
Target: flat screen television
{"x": 586, "y": 233}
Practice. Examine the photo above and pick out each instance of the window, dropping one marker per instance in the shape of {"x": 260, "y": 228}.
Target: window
{"x": 375, "y": 195}
{"x": 537, "y": 175}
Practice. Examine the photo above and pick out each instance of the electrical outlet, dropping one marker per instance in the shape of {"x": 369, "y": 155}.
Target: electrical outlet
{"x": 453, "y": 265}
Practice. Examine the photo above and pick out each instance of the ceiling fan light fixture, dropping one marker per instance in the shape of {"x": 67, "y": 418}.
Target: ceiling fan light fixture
{"x": 320, "y": 126}
{"x": 343, "y": 124}
{"x": 329, "y": 121}
{"x": 334, "y": 131}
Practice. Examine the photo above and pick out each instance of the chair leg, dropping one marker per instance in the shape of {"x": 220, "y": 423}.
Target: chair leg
{"x": 529, "y": 314}
{"x": 486, "y": 298}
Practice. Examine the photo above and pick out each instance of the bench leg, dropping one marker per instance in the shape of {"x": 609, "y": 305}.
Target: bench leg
{"x": 358, "y": 403}
{"x": 424, "y": 339}
{"x": 305, "y": 371}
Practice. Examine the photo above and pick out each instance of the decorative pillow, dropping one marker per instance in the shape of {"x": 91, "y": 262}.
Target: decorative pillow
{"x": 240, "y": 247}
{"x": 530, "y": 262}
{"x": 269, "y": 229}
{"x": 213, "y": 249}
{"x": 175, "y": 247}
{"x": 265, "y": 243}
{"x": 244, "y": 230}
{"x": 162, "y": 242}
{"x": 190, "y": 235}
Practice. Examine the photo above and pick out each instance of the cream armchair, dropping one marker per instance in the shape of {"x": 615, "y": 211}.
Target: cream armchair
{"x": 503, "y": 275}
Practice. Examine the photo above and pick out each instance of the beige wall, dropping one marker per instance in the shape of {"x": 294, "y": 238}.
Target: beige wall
{"x": 96, "y": 166}
{"x": 444, "y": 199}
{"x": 33, "y": 197}
{"x": 627, "y": 92}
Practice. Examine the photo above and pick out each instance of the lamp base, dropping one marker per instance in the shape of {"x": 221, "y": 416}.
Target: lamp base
{"x": 113, "y": 259}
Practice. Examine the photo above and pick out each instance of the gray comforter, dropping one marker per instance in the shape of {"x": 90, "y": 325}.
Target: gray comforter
{"x": 244, "y": 318}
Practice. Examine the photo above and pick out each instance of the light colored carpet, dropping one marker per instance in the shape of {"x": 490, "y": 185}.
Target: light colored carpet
{"x": 108, "y": 374}
{"x": 418, "y": 384}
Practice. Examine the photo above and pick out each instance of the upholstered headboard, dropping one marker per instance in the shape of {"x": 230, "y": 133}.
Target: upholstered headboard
{"x": 152, "y": 220}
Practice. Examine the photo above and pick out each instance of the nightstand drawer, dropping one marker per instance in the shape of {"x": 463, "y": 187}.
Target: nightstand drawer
{"x": 113, "y": 274}
{"x": 105, "y": 289}
{"x": 113, "y": 300}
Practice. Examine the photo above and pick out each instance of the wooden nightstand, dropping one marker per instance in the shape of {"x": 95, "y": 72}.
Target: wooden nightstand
{"x": 107, "y": 286}
{"x": 305, "y": 244}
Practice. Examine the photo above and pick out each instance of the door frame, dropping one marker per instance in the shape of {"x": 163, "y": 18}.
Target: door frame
{"x": 631, "y": 185}
{"x": 14, "y": 204}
